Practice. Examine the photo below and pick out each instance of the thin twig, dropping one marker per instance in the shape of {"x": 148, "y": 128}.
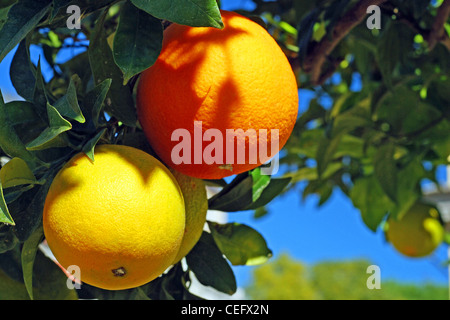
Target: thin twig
{"x": 437, "y": 33}
{"x": 321, "y": 50}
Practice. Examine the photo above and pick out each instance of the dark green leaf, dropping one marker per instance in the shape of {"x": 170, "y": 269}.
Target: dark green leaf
{"x": 57, "y": 125}
{"x": 385, "y": 169}
{"x": 305, "y": 31}
{"x": 233, "y": 197}
{"x": 137, "y": 42}
{"x": 395, "y": 43}
{"x": 243, "y": 191}
{"x": 325, "y": 152}
{"x": 58, "y": 5}
{"x": 27, "y": 210}
{"x": 94, "y": 99}
{"x": 119, "y": 99}
{"x": 408, "y": 186}
{"x": 29, "y": 251}
{"x": 41, "y": 94}
{"x": 241, "y": 244}
{"x": 351, "y": 119}
{"x": 21, "y": 112}
{"x": 89, "y": 147}
{"x": 49, "y": 282}
{"x": 195, "y": 13}
{"x": 10, "y": 143}
{"x": 272, "y": 190}
{"x": 6, "y": 3}
{"x": 210, "y": 268}
{"x": 68, "y": 106}
{"x": 5, "y": 216}
{"x": 334, "y": 13}
{"x": 21, "y": 72}
{"x": 373, "y": 203}
{"x": 22, "y": 18}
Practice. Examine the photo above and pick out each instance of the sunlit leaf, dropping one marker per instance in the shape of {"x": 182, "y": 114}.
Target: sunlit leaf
{"x": 195, "y": 13}
{"x": 241, "y": 244}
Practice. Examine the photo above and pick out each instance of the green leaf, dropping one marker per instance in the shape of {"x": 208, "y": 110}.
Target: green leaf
{"x": 41, "y": 95}
{"x": 194, "y": 13}
{"x": 15, "y": 173}
{"x": 8, "y": 240}
{"x": 210, "y": 268}
{"x": 29, "y": 251}
{"x": 350, "y": 120}
{"x": 408, "y": 185}
{"x": 241, "y": 192}
{"x": 404, "y": 111}
{"x": 241, "y": 244}
{"x": 137, "y": 42}
{"x": 21, "y": 112}
{"x": 22, "y": 18}
{"x": 270, "y": 192}
{"x": 305, "y": 31}
{"x": 49, "y": 283}
{"x": 394, "y": 44}
{"x": 119, "y": 99}
{"x": 10, "y": 142}
{"x": 248, "y": 191}
{"x": 260, "y": 182}
{"x": 234, "y": 197}
{"x": 5, "y": 216}
{"x": 385, "y": 169}
{"x": 58, "y": 5}
{"x": 57, "y": 125}
{"x": 373, "y": 203}
{"x": 28, "y": 208}
{"x": 6, "y": 3}
{"x": 11, "y": 289}
{"x": 21, "y": 72}
{"x": 68, "y": 106}
{"x": 325, "y": 152}
{"x": 94, "y": 99}
{"x": 89, "y": 147}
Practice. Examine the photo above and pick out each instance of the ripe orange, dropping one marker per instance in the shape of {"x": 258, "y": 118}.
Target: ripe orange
{"x": 234, "y": 78}
{"x": 418, "y": 233}
{"x": 120, "y": 219}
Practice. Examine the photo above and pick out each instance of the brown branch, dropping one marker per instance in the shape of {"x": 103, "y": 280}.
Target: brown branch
{"x": 319, "y": 53}
{"x": 437, "y": 33}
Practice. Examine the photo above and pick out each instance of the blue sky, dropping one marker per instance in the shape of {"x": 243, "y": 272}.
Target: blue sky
{"x": 310, "y": 234}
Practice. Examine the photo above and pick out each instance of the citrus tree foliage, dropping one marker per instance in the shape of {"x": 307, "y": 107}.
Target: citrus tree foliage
{"x": 331, "y": 280}
{"x": 375, "y": 142}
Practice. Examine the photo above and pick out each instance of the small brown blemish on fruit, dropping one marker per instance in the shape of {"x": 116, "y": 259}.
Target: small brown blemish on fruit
{"x": 119, "y": 272}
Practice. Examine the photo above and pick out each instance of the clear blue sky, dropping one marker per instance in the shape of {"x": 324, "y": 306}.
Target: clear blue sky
{"x": 311, "y": 234}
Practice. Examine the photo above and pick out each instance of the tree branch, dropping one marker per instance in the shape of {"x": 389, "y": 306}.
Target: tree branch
{"x": 319, "y": 53}
{"x": 437, "y": 32}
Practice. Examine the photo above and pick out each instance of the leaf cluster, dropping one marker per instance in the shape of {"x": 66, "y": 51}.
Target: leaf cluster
{"x": 81, "y": 93}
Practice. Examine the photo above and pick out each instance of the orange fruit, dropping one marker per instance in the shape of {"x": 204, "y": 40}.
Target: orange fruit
{"x": 120, "y": 219}
{"x": 417, "y": 233}
{"x": 217, "y": 80}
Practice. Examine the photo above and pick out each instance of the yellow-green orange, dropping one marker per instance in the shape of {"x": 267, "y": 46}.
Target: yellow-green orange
{"x": 418, "y": 233}
{"x": 120, "y": 219}
{"x": 196, "y": 204}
